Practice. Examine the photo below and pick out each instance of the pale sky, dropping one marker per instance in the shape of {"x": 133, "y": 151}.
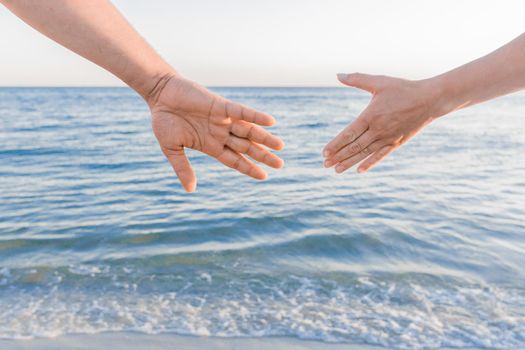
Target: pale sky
{"x": 279, "y": 42}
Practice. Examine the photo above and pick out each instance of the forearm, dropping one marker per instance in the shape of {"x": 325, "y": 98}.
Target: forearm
{"x": 499, "y": 73}
{"x": 97, "y": 31}
{"x": 401, "y": 108}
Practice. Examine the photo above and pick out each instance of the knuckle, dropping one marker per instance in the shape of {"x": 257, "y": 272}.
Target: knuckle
{"x": 170, "y": 152}
{"x": 265, "y": 158}
{"x": 355, "y": 147}
{"x": 228, "y": 109}
{"x": 256, "y": 119}
{"x": 237, "y": 163}
{"x": 349, "y": 134}
{"x": 244, "y": 113}
{"x": 234, "y": 128}
{"x": 249, "y": 134}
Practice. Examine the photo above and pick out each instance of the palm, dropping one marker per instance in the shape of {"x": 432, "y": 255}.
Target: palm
{"x": 186, "y": 115}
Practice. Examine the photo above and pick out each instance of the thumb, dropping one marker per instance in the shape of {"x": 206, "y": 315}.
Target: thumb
{"x": 361, "y": 81}
{"x": 182, "y": 167}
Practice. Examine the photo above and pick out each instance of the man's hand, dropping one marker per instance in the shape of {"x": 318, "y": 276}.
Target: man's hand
{"x": 187, "y": 115}
{"x": 184, "y": 113}
{"x": 399, "y": 109}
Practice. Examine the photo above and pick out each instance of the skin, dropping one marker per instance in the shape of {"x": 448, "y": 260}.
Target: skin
{"x": 184, "y": 114}
{"x": 400, "y": 108}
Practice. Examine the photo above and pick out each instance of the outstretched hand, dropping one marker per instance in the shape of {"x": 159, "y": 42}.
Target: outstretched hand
{"x": 187, "y": 115}
{"x": 399, "y": 109}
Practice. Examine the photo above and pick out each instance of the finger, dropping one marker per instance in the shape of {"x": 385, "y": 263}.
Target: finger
{"x": 351, "y": 161}
{"x": 361, "y": 81}
{"x": 256, "y": 134}
{"x": 348, "y": 135}
{"x": 375, "y": 158}
{"x": 254, "y": 151}
{"x": 236, "y": 161}
{"x": 250, "y": 115}
{"x": 182, "y": 167}
{"x": 359, "y": 146}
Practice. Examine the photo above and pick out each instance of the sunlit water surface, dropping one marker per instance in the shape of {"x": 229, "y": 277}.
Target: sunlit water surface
{"x": 96, "y": 235}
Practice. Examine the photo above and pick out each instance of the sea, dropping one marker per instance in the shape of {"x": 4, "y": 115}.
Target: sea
{"x": 427, "y": 250}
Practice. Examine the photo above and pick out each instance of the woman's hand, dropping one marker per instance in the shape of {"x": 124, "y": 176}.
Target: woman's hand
{"x": 399, "y": 109}
{"x": 187, "y": 115}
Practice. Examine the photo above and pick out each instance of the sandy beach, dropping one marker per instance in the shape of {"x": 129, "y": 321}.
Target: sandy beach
{"x": 132, "y": 341}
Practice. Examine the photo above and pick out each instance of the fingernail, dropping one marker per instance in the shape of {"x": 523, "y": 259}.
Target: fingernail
{"x": 342, "y": 76}
{"x": 339, "y": 169}
{"x": 360, "y": 171}
{"x": 326, "y": 153}
{"x": 327, "y": 164}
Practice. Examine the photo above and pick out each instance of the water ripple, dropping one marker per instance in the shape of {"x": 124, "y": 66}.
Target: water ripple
{"x": 96, "y": 235}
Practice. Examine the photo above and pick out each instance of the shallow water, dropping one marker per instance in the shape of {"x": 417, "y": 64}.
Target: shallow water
{"x": 96, "y": 235}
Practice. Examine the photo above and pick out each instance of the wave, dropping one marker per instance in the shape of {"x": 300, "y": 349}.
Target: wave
{"x": 403, "y": 311}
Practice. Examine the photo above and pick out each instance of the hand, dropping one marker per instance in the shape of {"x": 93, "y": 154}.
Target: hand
{"x": 399, "y": 109}
{"x": 186, "y": 114}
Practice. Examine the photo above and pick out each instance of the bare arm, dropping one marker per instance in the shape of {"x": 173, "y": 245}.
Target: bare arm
{"x": 499, "y": 73}
{"x": 96, "y": 30}
{"x": 400, "y": 108}
{"x": 184, "y": 114}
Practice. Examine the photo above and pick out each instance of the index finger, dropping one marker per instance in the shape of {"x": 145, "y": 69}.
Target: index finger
{"x": 348, "y": 135}
{"x": 241, "y": 112}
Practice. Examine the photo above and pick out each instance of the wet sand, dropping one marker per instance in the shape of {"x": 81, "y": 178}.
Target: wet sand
{"x": 135, "y": 341}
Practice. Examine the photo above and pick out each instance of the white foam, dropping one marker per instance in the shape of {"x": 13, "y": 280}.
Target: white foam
{"x": 402, "y": 314}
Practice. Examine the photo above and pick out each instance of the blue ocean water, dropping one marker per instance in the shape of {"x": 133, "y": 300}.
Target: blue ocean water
{"x": 96, "y": 235}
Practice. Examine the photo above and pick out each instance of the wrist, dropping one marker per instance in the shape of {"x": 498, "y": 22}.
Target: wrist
{"x": 156, "y": 85}
{"x": 151, "y": 84}
{"x": 441, "y": 94}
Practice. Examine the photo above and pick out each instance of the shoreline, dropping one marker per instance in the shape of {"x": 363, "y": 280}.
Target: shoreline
{"x": 135, "y": 341}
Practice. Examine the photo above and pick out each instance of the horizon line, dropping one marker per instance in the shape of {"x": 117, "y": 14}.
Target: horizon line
{"x": 208, "y": 86}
